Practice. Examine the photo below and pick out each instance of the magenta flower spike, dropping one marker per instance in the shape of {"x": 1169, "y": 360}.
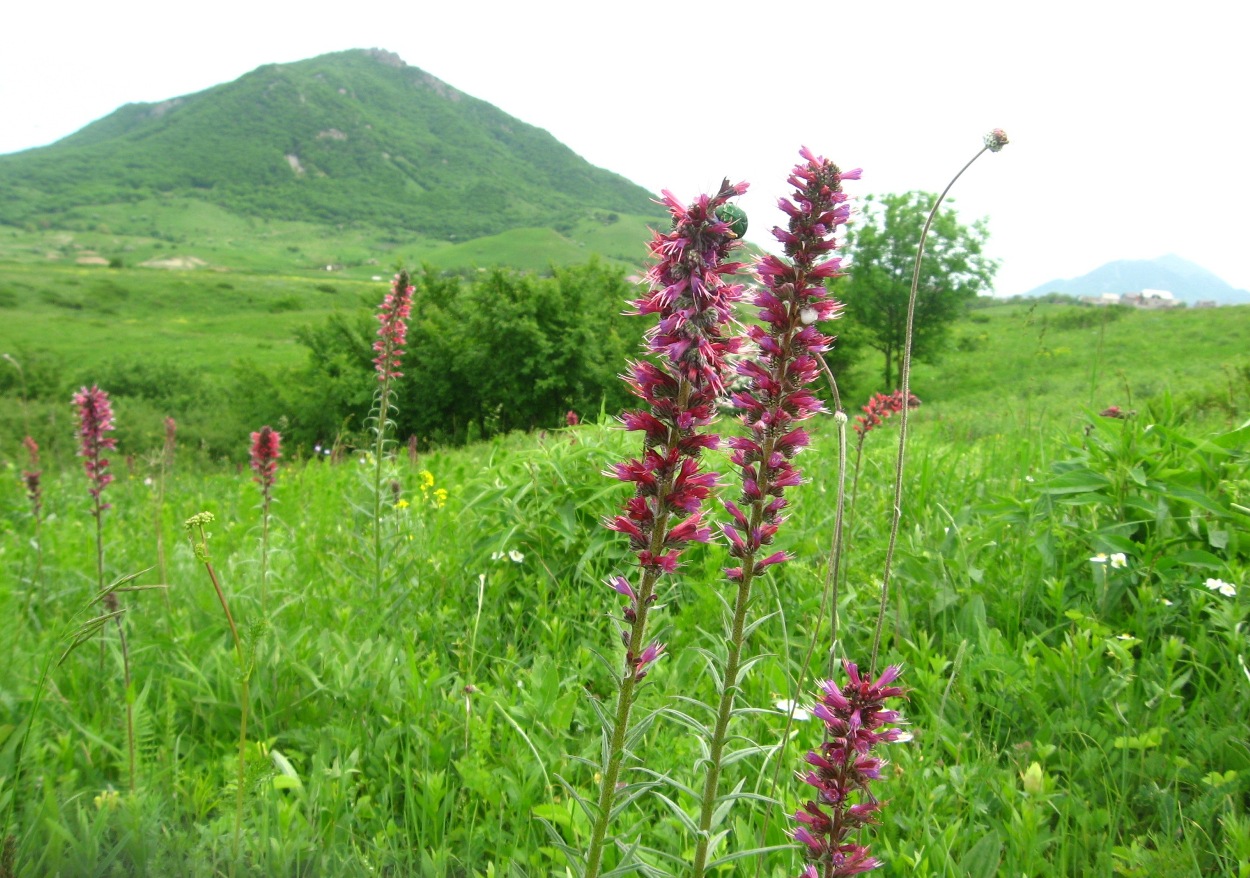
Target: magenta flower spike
{"x": 266, "y": 449}
{"x": 31, "y": 477}
{"x": 95, "y": 419}
{"x": 393, "y": 331}
{"x": 791, "y": 300}
{"x": 689, "y": 290}
{"x": 842, "y": 769}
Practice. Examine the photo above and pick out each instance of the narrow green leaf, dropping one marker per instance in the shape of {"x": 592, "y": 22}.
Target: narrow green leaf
{"x": 686, "y": 820}
{"x": 983, "y": 858}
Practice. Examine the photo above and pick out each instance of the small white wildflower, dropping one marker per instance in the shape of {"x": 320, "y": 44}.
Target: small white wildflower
{"x": 840, "y": 417}
{"x": 496, "y": 556}
{"x": 148, "y": 481}
{"x": 1028, "y": 478}
{"x": 792, "y": 708}
{"x": 1225, "y": 588}
{"x": 1125, "y": 637}
{"x": 1165, "y": 602}
{"x": 1100, "y": 558}
{"x": 1119, "y": 560}
{"x": 515, "y": 556}
{"x": 326, "y": 452}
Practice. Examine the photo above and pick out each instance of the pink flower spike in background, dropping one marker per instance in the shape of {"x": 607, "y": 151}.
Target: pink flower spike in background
{"x": 393, "y": 332}
{"x": 31, "y": 477}
{"x": 266, "y": 449}
{"x": 880, "y": 407}
{"x": 95, "y": 419}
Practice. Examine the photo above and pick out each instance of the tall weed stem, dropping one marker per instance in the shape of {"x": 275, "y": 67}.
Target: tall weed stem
{"x": 194, "y": 527}
{"x": 994, "y": 141}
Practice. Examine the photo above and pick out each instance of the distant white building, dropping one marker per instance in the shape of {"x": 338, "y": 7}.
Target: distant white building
{"x": 1104, "y": 299}
{"x": 1150, "y": 299}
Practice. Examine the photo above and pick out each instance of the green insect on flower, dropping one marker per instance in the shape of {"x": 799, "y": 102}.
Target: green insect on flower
{"x": 735, "y": 217}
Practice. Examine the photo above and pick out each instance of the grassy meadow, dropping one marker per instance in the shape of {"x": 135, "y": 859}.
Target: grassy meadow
{"x": 1073, "y": 712}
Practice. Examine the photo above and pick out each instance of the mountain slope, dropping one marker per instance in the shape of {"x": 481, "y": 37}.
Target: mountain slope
{"x": 351, "y": 137}
{"x": 1186, "y": 280}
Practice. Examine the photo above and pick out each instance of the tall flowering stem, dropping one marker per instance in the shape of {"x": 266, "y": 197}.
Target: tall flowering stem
{"x": 791, "y": 300}
{"x": 842, "y": 769}
{"x": 165, "y": 465}
{"x": 689, "y": 290}
{"x": 875, "y": 413}
{"x": 265, "y": 451}
{"x": 389, "y": 346}
{"x": 994, "y": 141}
{"x": 195, "y": 529}
{"x": 95, "y": 421}
{"x": 32, "y": 480}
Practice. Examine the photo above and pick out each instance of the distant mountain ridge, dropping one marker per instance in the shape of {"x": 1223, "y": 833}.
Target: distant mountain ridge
{"x": 350, "y": 137}
{"x": 1186, "y": 280}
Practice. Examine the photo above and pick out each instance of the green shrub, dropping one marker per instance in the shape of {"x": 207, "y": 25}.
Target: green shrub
{"x": 507, "y": 352}
{"x": 286, "y": 303}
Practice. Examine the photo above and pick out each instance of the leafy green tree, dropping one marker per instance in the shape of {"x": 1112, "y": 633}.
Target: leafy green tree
{"x": 884, "y": 248}
{"x": 504, "y": 351}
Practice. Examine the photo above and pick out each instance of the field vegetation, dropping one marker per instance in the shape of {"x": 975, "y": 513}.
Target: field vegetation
{"x": 1070, "y": 715}
{"x": 390, "y": 651}
{"x": 391, "y": 647}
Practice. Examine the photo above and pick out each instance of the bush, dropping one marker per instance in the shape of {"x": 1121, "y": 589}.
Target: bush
{"x": 507, "y": 352}
{"x": 1087, "y": 317}
{"x": 286, "y": 303}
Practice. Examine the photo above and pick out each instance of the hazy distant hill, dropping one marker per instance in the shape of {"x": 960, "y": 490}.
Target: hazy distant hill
{"x": 1187, "y": 281}
{"x": 351, "y": 137}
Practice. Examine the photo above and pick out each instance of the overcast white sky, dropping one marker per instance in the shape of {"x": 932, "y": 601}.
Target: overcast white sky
{"x": 1128, "y": 120}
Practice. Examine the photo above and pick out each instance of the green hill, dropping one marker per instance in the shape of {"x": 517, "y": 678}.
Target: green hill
{"x": 356, "y": 140}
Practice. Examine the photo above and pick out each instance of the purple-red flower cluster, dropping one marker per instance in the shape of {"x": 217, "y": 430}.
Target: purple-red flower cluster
{"x": 880, "y": 407}
{"x": 30, "y": 477}
{"x": 690, "y": 291}
{"x": 841, "y": 769}
{"x": 792, "y": 300}
{"x": 171, "y": 433}
{"x": 95, "y": 419}
{"x": 393, "y": 332}
{"x": 266, "y": 449}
